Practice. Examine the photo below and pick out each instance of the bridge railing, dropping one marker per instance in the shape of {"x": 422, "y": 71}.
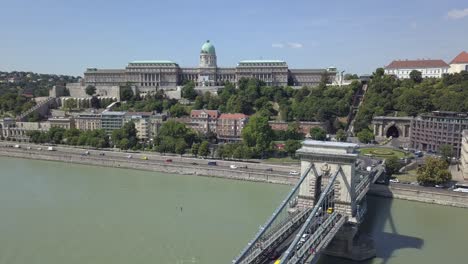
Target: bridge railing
{"x": 284, "y": 214}
{"x": 322, "y": 214}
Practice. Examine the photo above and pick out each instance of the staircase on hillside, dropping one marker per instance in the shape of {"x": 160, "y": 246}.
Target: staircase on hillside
{"x": 357, "y": 101}
{"x": 22, "y": 116}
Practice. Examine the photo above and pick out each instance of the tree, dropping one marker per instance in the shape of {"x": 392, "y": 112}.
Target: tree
{"x": 69, "y": 104}
{"x": 413, "y": 101}
{"x": 126, "y": 93}
{"x": 180, "y": 147}
{"x": 434, "y": 171}
{"x": 127, "y": 134}
{"x": 177, "y": 110}
{"x": 90, "y": 90}
{"x": 446, "y": 151}
{"x": 34, "y": 136}
{"x": 365, "y": 136}
{"x": 341, "y": 135}
{"x": 198, "y": 104}
{"x": 204, "y": 149}
{"x": 293, "y": 131}
{"x": 258, "y": 134}
{"x": 379, "y": 72}
{"x": 176, "y": 130}
{"x": 188, "y": 91}
{"x": 95, "y": 102}
{"x": 124, "y": 144}
{"x": 349, "y": 76}
{"x": 392, "y": 165}
{"x": 291, "y": 146}
{"x": 416, "y": 76}
{"x": 318, "y": 133}
{"x": 194, "y": 149}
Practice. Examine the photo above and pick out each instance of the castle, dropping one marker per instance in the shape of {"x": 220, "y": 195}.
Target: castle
{"x": 147, "y": 76}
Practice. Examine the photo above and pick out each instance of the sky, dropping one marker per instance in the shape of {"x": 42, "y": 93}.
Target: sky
{"x": 68, "y": 36}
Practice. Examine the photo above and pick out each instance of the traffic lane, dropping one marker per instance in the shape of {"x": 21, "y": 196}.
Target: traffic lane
{"x": 185, "y": 160}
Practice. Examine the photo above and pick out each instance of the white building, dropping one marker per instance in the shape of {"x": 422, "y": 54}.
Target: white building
{"x": 459, "y": 63}
{"x": 428, "y": 68}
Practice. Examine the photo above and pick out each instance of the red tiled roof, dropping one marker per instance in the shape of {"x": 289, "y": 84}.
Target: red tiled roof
{"x": 233, "y": 116}
{"x": 398, "y": 64}
{"x": 460, "y": 58}
{"x": 211, "y": 113}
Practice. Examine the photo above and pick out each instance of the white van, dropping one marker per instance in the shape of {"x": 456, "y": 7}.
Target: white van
{"x": 50, "y": 148}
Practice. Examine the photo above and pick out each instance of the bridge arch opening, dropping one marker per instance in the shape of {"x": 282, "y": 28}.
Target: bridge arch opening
{"x": 393, "y": 132}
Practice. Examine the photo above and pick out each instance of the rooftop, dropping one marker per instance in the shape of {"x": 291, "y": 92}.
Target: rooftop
{"x": 414, "y": 64}
{"x": 139, "y": 113}
{"x": 328, "y": 147}
{"x": 153, "y": 62}
{"x": 310, "y": 142}
{"x": 460, "y": 58}
{"x": 278, "y": 62}
{"x": 211, "y": 113}
{"x": 104, "y": 70}
{"x": 233, "y": 116}
{"x": 116, "y": 113}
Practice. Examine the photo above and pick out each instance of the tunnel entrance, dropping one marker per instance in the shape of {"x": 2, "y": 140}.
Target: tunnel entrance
{"x": 393, "y": 132}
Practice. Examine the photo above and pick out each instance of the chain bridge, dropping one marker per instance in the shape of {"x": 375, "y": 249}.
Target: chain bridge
{"x": 322, "y": 212}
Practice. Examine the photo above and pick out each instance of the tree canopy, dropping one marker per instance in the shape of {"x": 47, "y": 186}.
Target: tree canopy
{"x": 175, "y": 137}
{"x": 318, "y": 133}
{"x": 188, "y": 91}
{"x": 365, "y": 136}
{"x": 434, "y": 171}
{"x": 257, "y": 134}
{"x": 90, "y": 90}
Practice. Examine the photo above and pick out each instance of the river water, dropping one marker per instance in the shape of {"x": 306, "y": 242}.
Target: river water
{"x": 54, "y": 213}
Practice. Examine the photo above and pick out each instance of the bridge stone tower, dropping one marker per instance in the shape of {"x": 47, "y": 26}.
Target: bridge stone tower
{"x": 328, "y": 158}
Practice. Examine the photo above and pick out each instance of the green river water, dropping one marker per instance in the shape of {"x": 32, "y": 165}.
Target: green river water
{"x": 54, "y": 213}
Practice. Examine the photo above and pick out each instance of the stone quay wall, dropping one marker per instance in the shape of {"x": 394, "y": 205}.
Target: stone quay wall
{"x": 420, "y": 194}
{"x": 189, "y": 169}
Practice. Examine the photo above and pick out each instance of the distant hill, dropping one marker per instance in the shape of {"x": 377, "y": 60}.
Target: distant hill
{"x": 31, "y": 84}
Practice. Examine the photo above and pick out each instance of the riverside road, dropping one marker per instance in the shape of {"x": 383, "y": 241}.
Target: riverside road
{"x": 152, "y": 158}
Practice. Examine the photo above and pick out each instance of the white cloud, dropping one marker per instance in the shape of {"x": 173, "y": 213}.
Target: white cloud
{"x": 294, "y": 45}
{"x": 277, "y": 45}
{"x": 457, "y": 13}
{"x": 290, "y": 45}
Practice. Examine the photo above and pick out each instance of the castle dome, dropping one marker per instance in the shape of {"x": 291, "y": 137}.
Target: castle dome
{"x": 208, "y": 48}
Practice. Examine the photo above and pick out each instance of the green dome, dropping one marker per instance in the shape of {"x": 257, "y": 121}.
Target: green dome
{"x": 208, "y": 48}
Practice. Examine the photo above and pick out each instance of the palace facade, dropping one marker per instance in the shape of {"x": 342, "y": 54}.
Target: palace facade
{"x": 151, "y": 75}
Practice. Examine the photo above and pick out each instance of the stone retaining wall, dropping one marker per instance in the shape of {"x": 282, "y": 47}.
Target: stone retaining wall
{"x": 420, "y": 194}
